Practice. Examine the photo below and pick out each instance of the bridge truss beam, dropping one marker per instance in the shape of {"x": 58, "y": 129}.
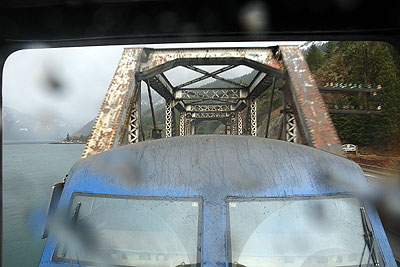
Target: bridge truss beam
{"x": 119, "y": 117}
{"x": 311, "y": 111}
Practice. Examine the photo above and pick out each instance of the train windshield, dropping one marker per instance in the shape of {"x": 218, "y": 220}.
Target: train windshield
{"x": 131, "y": 231}
{"x": 298, "y": 232}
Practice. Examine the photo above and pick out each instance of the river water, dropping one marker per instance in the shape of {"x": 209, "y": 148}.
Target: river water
{"x": 29, "y": 171}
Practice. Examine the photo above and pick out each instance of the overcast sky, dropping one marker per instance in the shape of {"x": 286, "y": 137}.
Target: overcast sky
{"x": 71, "y": 83}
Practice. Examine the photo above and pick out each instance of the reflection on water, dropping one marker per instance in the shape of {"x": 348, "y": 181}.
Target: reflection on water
{"x": 29, "y": 171}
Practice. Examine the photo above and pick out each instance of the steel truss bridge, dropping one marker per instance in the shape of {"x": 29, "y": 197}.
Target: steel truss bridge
{"x": 305, "y": 117}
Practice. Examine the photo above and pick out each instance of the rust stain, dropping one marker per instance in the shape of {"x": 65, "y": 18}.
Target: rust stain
{"x": 318, "y": 128}
{"x": 160, "y": 56}
{"x": 114, "y": 106}
{"x": 111, "y": 122}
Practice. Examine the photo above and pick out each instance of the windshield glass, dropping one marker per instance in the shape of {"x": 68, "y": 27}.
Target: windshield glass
{"x": 297, "y": 232}
{"x": 132, "y": 231}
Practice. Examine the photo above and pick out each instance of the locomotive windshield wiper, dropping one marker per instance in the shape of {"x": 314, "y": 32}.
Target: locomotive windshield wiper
{"x": 236, "y": 265}
{"x": 369, "y": 240}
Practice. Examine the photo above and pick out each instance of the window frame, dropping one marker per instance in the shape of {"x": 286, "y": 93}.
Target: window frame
{"x": 231, "y": 199}
{"x": 197, "y": 199}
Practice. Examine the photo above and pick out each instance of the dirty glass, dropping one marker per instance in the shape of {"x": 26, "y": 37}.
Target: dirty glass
{"x": 300, "y": 232}
{"x": 132, "y": 232}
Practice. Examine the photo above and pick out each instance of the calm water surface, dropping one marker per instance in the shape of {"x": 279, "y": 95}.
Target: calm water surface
{"x": 29, "y": 171}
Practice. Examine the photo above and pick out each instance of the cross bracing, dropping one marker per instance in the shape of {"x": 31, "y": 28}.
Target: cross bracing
{"x": 233, "y": 102}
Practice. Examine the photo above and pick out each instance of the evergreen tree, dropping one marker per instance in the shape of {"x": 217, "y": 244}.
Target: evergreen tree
{"x": 330, "y": 49}
{"x": 315, "y": 58}
{"x": 364, "y": 63}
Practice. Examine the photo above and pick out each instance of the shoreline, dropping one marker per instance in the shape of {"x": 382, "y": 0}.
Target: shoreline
{"x": 59, "y": 143}
{"x": 36, "y": 142}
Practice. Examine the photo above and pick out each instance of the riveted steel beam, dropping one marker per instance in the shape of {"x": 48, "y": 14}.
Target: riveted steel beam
{"x": 253, "y": 116}
{"x": 164, "y": 87}
{"x": 210, "y": 101}
{"x": 313, "y": 115}
{"x": 260, "y": 84}
{"x": 240, "y": 123}
{"x": 275, "y": 69}
{"x": 112, "y": 120}
{"x": 211, "y": 115}
{"x": 168, "y": 118}
{"x": 240, "y": 106}
{"x": 182, "y": 118}
{"x": 200, "y": 94}
{"x": 156, "y": 57}
{"x": 234, "y": 128}
{"x": 193, "y": 127}
{"x": 209, "y": 108}
{"x": 291, "y": 128}
{"x": 134, "y": 119}
{"x": 161, "y": 60}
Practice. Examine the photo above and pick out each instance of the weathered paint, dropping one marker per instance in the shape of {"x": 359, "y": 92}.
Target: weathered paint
{"x": 112, "y": 119}
{"x": 158, "y": 57}
{"x": 214, "y": 168}
{"x": 313, "y": 114}
{"x": 114, "y": 112}
{"x": 111, "y": 123}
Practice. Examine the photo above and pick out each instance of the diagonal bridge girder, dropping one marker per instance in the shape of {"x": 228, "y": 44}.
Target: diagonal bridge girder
{"x": 214, "y": 75}
{"x": 206, "y": 75}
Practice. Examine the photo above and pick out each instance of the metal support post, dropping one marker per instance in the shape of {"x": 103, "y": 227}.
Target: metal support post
{"x": 234, "y": 130}
{"x": 182, "y": 123}
{"x": 168, "y": 118}
{"x": 240, "y": 123}
{"x": 187, "y": 126}
{"x": 283, "y": 125}
{"x": 173, "y": 122}
{"x": 193, "y": 127}
{"x": 253, "y": 116}
{"x": 247, "y": 121}
{"x": 228, "y": 126}
{"x": 134, "y": 119}
{"x": 291, "y": 128}
{"x": 270, "y": 107}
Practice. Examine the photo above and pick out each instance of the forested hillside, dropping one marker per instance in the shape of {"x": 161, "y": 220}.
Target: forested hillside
{"x": 368, "y": 63}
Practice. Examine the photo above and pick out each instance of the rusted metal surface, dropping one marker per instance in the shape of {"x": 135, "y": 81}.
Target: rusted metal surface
{"x": 158, "y": 57}
{"x": 313, "y": 114}
{"x": 111, "y": 123}
{"x": 113, "y": 114}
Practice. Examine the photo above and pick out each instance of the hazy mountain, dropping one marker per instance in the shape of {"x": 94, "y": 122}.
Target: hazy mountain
{"x": 244, "y": 79}
{"x": 159, "y": 106}
{"x": 158, "y": 101}
{"x": 86, "y": 129}
{"x": 156, "y": 98}
{"x": 19, "y": 126}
